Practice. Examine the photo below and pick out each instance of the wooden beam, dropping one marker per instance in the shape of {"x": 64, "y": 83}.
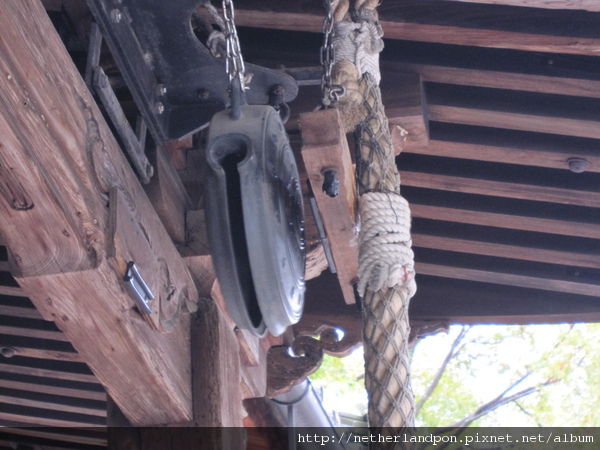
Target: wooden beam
{"x": 510, "y": 279}
{"x": 501, "y": 189}
{"x": 64, "y": 161}
{"x": 493, "y": 26}
{"x": 586, "y": 5}
{"x": 81, "y": 435}
{"x": 506, "y": 251}
{"x": 42, "y": 421}
{"x": 499, "y": 80}
{"x": 33, "y": 333}
{"x": 325, "y": 148}
{"x": 506, "y": 155}
{"x": 38, "y": 353}
{"x": 461, "y": 301}
{"x": 55, "y": 405}
{"x": 514, "y": 222}
{"x": 515, "y": 121}
{"x": 47, "y": 373}
{"x": 56, "y": 390}
{"x": 18, "y": 311}
{"x": 12, "y": 291}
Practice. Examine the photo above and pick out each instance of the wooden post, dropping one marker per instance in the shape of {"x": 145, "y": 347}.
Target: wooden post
{"x": 58, "y": 163}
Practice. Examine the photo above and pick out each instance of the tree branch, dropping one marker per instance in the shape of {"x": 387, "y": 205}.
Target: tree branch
{"x": 454, "y": 350}
{"x": 501, "y": 400}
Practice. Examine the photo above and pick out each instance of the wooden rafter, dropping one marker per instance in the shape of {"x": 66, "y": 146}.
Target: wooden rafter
{"x": 586, "y": 5}
{"x": 493, "y": 26}
{"x": 501, "y": 189}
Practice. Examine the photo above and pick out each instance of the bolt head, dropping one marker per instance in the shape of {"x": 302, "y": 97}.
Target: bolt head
{"x": 161, "y": 89}
{"x": 115, "y": 15}
{"x": 7, "y": 352}
{"x": 578, "y": 165}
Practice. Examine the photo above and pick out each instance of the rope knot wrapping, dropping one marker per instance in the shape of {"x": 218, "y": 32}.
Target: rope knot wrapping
{"x": 361, "y": 44}
{"x": 386, "y": 259}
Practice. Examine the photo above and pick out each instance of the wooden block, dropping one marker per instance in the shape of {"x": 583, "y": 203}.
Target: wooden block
{"x": 168, "y": 196}
{"x": 177, "y": 152}
{"x": 403, "y": 95}
{"x": 325, "y": 148}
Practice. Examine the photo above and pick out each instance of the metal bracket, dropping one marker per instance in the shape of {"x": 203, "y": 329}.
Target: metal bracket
{"x": 174, "y": 79}
{"x": 138, "y": 288}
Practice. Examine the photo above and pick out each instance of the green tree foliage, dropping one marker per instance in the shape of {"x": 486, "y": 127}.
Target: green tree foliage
{"x": 535, "y": 375}
{"x": 532, "y": 375}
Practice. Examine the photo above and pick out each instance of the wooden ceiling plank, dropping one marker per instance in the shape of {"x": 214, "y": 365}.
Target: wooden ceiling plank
{"x": 53, "y": 406}
{"x": 425, "y": 21}
{"x": 64, "y": 160}
{"x": 80, "y": 435}
{"x": 33, "y": 333}
{"x": 585, "y": 5}
{"x": 54, "y": 355}
{"x": 56, "y": 390}
{"x": 506, "y": 251}
{"x": 43, "y": 421}
{"x": 461, "y": 301}
{"x": 510, "y": 279}
{"x": 515, "y": 121}
{"x": 578, "y": 87}
{"x": 536, "y": 224}
{"x": 506, "y": 155}
{"x": 17, "y": 311}
{"x": 12, "y": 291}
{"x": 501, "y": 189}
{"x": 491, "y": 38}
{"x": 47, "y": 373}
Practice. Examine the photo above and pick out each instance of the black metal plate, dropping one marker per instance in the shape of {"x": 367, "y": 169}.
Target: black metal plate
{"x": 153, "y": 44}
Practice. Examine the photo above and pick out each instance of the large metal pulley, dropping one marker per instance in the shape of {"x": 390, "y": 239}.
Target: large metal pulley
{"x": 254, "y": 212}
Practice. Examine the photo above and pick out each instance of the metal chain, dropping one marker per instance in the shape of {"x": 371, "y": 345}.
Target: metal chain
{"x": 327, "y": 56}
{"x": 234, "y": 61}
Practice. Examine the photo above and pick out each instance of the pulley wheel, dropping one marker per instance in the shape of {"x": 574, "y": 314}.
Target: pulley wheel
{"x": 255, "y": 222}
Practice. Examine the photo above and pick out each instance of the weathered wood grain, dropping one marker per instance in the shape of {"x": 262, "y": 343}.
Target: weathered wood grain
{"x": 510, "y": 279}
{"x": 501, "y": 189}
{"x": 510, "y": 221}
{"x": 586, "y": 5}
{"x": 63, "y": 161}
{"x": 515, "y": 121}
{"x": 494, "y": 26}
{"x": 52, "y": 406}
{"x": 500, "y": 80}
{"x": 64, "y": 391}
{"x": 507, "y": 155}
{"x": 507, "y": 251}
{"x": 325, "y": 148}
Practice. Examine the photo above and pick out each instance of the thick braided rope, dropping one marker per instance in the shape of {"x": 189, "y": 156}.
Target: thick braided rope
{"x": 386, "y": 268}
{"x": 385, "y": 256}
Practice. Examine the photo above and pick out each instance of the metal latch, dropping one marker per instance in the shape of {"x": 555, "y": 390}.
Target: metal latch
{"x": 138, "y": 288}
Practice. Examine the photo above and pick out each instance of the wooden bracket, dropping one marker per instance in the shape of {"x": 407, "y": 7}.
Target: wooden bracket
{"x": 286, "y": 371}
{"x": 325, "y": 148}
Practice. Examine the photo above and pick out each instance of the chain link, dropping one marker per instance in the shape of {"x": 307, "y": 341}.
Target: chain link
{"x": 234, "y": 63}
{"x": 331, "y": 92}
{"x": 327, "y": 55}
